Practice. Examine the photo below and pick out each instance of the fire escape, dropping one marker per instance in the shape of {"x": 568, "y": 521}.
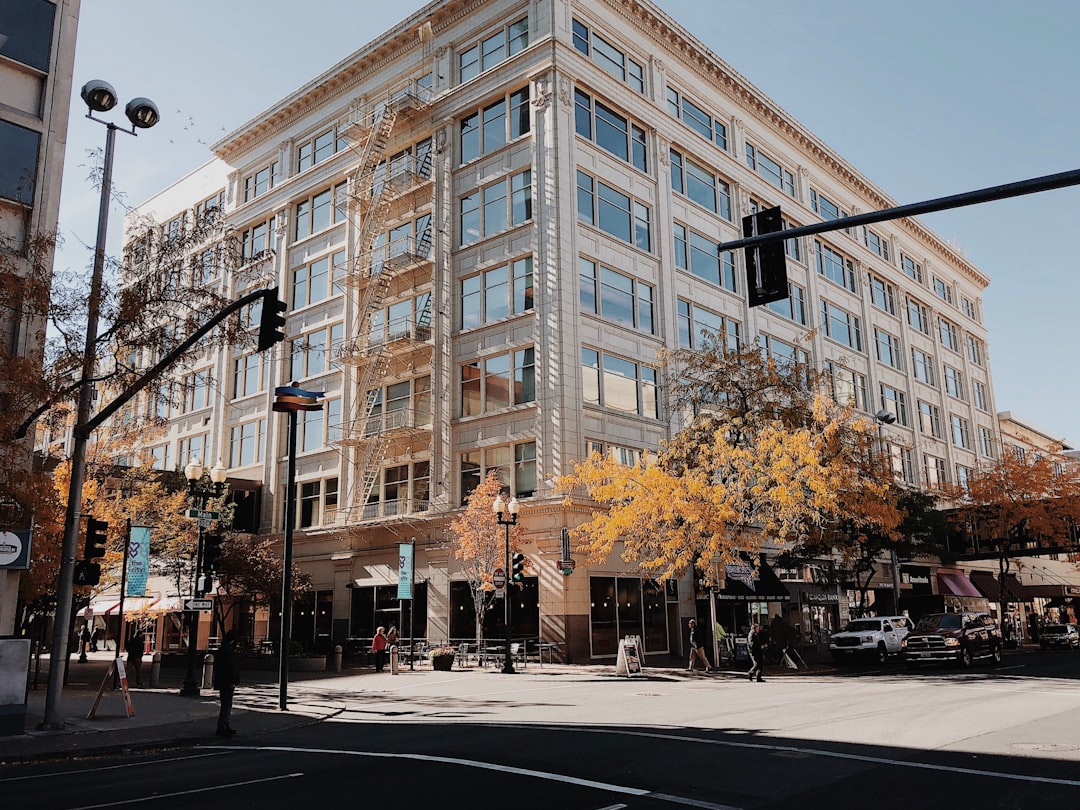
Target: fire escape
{"x": 387, "y": 265}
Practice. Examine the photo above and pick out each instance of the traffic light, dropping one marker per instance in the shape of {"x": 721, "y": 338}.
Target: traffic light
{"x": 211, "y": 550}
{"x": 96, "y": 537}
{"x": 272, "y": 320}
{"x": 766, "y": 265}
{"x": 87, "y": 573}
{"x": 517, "y": 568}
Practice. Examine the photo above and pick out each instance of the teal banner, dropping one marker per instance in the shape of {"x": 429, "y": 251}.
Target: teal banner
{"x": 138, "y": 561}
{"x": 405, "y": 571}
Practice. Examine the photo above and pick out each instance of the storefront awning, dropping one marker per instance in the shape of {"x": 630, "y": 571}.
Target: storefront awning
{"x": 742, "y": 583}
{"x": 956, "y": 585}
{"x": 988, "y": 584}
{"x": 103, "y": 607}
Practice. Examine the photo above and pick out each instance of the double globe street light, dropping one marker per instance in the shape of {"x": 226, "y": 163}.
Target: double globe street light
{"x": 200, "y": 495}
{"x": 500, "y": 507}
{"x": 100, "y": 97}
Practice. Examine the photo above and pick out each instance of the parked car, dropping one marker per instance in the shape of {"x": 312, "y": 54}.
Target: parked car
{"x": 960, "y": 637}
{"x": 878, "y": 637}
{"x": 1059, "y": 635}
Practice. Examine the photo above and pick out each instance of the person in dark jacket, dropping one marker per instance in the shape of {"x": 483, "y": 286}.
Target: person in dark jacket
{"x": 756, "y": 642}
{"x": 226, "y": 679}
{"x": 697, "y": 648}
{"x": 134, "y": 649}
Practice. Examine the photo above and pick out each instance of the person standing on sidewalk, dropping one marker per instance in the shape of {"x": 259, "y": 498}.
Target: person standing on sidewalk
{"x": 756, "y": 642}
{"x": 134, "y": 648}
{"x": 697, "y": 648}
{"x": 378, "y": 646}
{"x": 226, "y": 679}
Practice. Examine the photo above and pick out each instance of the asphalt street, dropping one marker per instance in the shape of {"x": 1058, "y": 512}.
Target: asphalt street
{"x": 996, "y": 737}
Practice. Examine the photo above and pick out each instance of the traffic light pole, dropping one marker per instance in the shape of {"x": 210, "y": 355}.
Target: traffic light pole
{"x": 1018, "y": 189}
{"x": 81, "y": 431}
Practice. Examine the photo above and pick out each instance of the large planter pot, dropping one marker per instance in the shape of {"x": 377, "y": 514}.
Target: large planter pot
{"x": 443, "y": 663}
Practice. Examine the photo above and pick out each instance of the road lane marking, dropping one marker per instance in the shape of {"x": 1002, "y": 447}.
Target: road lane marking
{"x": 791, "y": 749}
{"x": 489, "y": 766}
{"x": 95, "y": 768}
{"x": 156, "y": 796}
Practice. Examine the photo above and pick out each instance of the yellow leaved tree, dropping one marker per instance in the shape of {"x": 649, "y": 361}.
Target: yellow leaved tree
{"x": 767, "y": 457}
{"x": 479, "y": 545}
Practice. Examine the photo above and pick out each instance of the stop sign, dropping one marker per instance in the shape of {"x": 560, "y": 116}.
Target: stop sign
{"x": 498, "y": 578}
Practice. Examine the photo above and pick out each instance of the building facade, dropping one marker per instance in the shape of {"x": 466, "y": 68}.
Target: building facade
{"x": 486, "y": 223}
{"x": 37, "y": 53}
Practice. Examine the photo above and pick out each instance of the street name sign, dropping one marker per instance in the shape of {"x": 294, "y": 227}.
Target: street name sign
{"x": 203, "y": 514}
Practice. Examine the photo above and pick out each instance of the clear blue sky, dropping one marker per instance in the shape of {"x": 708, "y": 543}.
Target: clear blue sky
{"x": 926, "y": 98}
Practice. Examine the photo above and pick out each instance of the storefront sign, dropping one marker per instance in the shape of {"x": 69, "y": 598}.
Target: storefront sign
{"x": 823, "y": 598}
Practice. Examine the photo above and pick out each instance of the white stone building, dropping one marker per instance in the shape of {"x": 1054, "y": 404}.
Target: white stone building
{"x": 486, "y": 222}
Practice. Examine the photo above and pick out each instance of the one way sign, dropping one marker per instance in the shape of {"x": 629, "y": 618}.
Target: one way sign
{"x": 199, "y": 604}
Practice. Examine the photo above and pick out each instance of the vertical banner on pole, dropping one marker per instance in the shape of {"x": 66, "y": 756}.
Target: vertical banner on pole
{"x": 405, "y": 571}
{"x": 138, "y": 561}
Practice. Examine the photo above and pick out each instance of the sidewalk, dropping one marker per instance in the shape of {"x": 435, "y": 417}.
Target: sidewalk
{"x": 163, "y": 717}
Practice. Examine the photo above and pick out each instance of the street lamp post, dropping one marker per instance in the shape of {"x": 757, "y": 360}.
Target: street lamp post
{"x": 500, "y": 507}
{"x": 884, "y": 417}
{"x": 142, "y": 113}
{"x": 200, "y": 496}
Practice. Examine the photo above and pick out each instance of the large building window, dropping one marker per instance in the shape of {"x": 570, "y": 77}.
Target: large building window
{"x": 515, "y": 464}
{"x": 929, "y": 419}
{"x": 841, "y": 326}
{"x": 848, "y": 387}
{"x": 404, "y": 319}
{"x": 699, "y": 327}
{"x": 918, "y": 316}
{"x": 781, "y": 351}
{"x": 261, "y": 181}
{"x": 251, "y": 374}
{"x": 620, "y": 384}
{"x": 703, "y": 258}
{"x": 247, "y": 443}
{"x": 626, "y": 606}
{"x": 497, "y": 293}
{"x": 614, "y": 296}
{"x": 257, "y": 240}
{"x": 835, "y": 266}
{"x": 935, "y": 471}
{"x": 498, "y": 382}
{"x": 28, "y": 33}
{"x": 954, "y": 382}
{"x": 314, "y": 282}
{"x": 611, "y": 59}
{"x": 311, "y": 353}
{"x": 700, "y": 185}
{"x": 961, "y": 431}
{"x": 876, "y": 243}
{"x": 703, "y": 123}
{"x": 888, "y": 349}
{"x": 912, "y": 269}
{"x": 613, "y": 212}
{"x": 794, "y": 306}
{"x": 320, "y": 211}
{"x": 895, "y": 402}
{"x": 949, "y": 335}
{"x": 317, "y": 148}
{"x": 494, "y": 126}
{"x": 317, "y": 503}
{"x": 196, "y": 391}
{"x": 610, "y": 130}
{"x": 496, "y": 207}
{"x": 772, "y": 171}
{"x": 18, "y": 169}
{"x": 493, "y": 49}
{"x": 882, "y": 294}
{"x": 922, "y": 366}
{"x": 826, "y": 208}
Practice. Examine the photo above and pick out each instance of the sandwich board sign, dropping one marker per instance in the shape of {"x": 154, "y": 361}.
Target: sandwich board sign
{"x": 629, "y": 660}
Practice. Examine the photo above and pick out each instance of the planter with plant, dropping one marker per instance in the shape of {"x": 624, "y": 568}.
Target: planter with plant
{"x": 442, "y": 658}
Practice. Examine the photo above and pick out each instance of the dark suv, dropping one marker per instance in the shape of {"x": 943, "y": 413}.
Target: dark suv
{"x": 1059, "y": 635}
{"x": 961, "y": 637}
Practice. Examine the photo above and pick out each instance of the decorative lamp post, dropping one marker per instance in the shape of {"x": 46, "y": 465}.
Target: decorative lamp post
{"x": 142, "y": 113}
{"x": 500, "y": 507}
{"x": 884, "y": 417}
{"x": 200, "y": 496}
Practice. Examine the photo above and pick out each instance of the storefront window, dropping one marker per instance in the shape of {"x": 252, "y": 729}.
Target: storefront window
{"x": 627, "y": 606}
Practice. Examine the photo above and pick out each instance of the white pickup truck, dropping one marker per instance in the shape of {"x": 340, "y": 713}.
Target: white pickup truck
{"x": 878, "y": 637}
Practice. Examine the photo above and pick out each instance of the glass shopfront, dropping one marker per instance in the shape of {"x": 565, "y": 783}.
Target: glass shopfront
{"x": 626, "y": 606}
{"x": 524, "y": 612}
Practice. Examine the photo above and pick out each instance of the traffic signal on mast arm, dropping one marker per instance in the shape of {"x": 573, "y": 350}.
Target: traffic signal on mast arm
{"x": 766, "y": 265}
{"x": 96, "y": 538}
{"x": 517, "y": 567}
{"x": 272, "y": 320}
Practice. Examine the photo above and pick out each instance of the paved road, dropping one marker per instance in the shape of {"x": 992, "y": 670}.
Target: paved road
{"x": 879, "y": 737}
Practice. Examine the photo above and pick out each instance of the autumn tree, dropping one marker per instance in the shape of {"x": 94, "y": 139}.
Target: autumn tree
{"x": 479, "y": 544}
{"x": 1017, "y": 504}
{"x": 766, "y": 456}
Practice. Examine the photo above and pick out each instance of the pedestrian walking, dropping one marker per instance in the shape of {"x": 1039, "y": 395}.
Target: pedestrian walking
{"x": 391, "y": 636}
{"x": 378, "y": 646}
{"x": 84, "y": 643}
{"x": 226, "y": 679}
{"x": 697, "y": 648}
{"x": 134, "y": 649}
{"x": 756, "y": 642}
